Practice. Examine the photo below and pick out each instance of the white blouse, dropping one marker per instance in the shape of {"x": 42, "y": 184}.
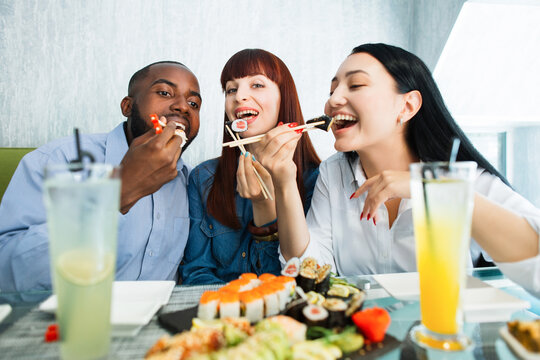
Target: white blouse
{"x": 353, "y": 246}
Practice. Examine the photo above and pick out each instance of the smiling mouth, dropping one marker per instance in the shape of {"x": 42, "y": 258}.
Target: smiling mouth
{"x": 344, "y": 121}
{"x": 247, "y": 114}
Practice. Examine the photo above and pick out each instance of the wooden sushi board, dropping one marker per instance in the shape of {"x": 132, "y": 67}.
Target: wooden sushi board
{"x": 181, "y": 320}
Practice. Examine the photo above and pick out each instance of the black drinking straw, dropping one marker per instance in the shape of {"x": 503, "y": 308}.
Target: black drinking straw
{"x": 80, "y": 153}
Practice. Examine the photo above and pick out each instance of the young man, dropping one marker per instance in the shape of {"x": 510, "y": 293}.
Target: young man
{"x": 154, "y": 214}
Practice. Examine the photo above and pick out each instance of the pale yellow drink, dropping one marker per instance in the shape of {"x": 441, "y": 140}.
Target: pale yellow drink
{"x": 82, "y": 219}
{"x": 442, "y": 210}
{"x": 83, "y": 284}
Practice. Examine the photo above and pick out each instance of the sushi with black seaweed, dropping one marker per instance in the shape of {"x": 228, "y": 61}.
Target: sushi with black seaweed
{"x": 308, "y": 274}
{"x": 336, "y": 312}
{"x": 315, "y": 315}
{"x": 322, "y": 284}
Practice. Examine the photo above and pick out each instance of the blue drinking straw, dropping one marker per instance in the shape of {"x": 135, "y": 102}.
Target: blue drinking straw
{"x": 454, "y": 151}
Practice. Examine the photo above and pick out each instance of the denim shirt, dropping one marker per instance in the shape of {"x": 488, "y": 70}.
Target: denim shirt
{"x": 216, "y": 253}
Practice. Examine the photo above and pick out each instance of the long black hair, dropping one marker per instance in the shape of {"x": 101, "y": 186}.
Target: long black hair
{"x": 429, "y": 133}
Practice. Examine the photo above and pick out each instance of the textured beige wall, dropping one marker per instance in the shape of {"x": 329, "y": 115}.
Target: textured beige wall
{"x": 67, "y": 63}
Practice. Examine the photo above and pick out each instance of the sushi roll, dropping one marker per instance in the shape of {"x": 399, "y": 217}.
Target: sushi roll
{"x": 307, "y": 275}
{"x": 208, "y": 305}
{"x": 336, "y": 312}
{"x": 229, "y": 304}
{"x": 252, "y": 305}
{"x": 292, "y": 267}
{"x": 266, "y": 277}
{"x": 356, "y": 303}
{"x": 322, "y": 284}
{"x": 294, "y": 309}
{"x": 254, "y": 281}
{"x": 289, "y": 282}
{"x": 243, "y": 284}
{"x": 281, "y": 291}
{"x": 315, "y": 315}
{"x": 271, "y": 300}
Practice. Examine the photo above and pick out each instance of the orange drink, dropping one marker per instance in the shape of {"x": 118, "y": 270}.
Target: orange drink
{"x": 442, "y": 197}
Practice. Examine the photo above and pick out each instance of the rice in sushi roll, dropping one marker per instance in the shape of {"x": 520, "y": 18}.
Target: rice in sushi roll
{"x": 208, "y": 305}
{"x": 292, "y": 268}
{"x": 281, "y": 291}
{"x": 289, "y": 282}
{"x": 271, "y": 299}
{"x": 253, "y": 305}
{"x": 229, "y": 304}
{"x": 315, "y": 315}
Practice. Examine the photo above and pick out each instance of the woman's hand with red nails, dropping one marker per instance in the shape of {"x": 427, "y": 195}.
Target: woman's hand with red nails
{"x": 247, "y": 184}
{"x": 382, "y": 187}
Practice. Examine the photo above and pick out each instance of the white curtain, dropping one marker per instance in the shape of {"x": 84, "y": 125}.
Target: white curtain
{"x": 67, "y": 63}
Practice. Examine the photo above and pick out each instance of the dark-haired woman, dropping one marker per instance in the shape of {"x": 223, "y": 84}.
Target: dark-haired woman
{"x": 388, "y": 114}
{"x": 233, "y": 227}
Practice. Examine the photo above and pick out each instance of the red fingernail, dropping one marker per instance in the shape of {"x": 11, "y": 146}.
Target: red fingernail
{"x": 361, "y": 215}
{"x": 293, "y": 124}
{"x": 159, "y": 130}
{"x": 280, "y": 123}
{"x": 299, "y": 131}
{"x": 374, "y": 222}
{"x": 368, "y": 216}
{"x": 352, "y": 195}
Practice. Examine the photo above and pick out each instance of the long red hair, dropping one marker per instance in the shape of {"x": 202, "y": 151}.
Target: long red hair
{"x": 249, "y": 62}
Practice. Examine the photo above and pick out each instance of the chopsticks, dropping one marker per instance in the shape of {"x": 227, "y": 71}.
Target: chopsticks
{"x": 322, "y": 122}
{"x": 264, "y": 189}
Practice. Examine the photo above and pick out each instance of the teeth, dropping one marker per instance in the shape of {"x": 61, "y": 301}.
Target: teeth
{"x": 342, "y": 117}
{"x": 181, "y": 126}
{"x": 246, "y": 112}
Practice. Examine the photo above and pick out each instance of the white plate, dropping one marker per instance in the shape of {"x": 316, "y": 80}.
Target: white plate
{"x": 516, "y": 346}
{"x": 481, "y": 302}
{"x": 133, "y": 305}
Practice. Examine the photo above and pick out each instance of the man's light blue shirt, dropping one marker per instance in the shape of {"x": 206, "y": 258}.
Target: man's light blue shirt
{"x": 151, "y": 236}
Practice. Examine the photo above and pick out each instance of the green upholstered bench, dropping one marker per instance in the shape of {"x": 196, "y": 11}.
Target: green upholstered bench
{"x": 9, "y": 159}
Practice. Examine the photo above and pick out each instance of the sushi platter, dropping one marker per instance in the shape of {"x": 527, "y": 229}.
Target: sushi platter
{"x": 312, "y": 314}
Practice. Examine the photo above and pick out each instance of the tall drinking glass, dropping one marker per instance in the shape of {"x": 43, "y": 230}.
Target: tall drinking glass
{"x": 442, "y": 202}
{"x": 82, "y": 203}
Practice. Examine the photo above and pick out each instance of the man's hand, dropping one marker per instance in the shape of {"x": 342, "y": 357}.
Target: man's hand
{"x": 149, "y": 163}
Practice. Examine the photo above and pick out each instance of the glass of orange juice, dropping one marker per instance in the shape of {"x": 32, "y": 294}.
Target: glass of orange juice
{"x": 442, "y": 201}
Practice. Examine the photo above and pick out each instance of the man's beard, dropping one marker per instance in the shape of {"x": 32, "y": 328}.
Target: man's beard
{"x": 139, "y": 126}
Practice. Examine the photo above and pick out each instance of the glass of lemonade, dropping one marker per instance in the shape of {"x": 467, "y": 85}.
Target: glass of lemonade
{"x": 442, "y": 201}
{"x": 82, "y": 203}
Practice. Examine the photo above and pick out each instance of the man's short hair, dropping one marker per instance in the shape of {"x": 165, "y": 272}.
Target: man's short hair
{"x": 141, "y": 74}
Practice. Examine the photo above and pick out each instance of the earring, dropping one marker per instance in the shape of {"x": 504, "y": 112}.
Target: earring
{"x": 401, "y": 121}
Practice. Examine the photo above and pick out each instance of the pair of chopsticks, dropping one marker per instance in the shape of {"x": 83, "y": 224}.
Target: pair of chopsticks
{"x": 264, "y": 188}
{"x": 322, "y": 122}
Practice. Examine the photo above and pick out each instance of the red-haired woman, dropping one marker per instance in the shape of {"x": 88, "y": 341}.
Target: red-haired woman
{"x": 233, "y": 227}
